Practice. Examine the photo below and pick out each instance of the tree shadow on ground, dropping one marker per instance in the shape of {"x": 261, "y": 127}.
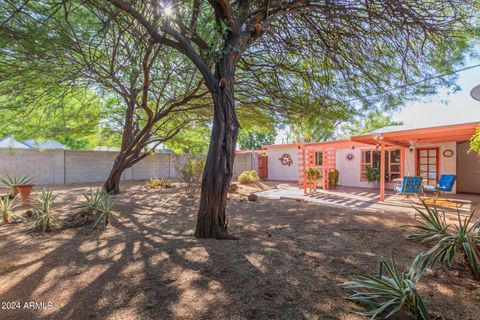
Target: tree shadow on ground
{"x": 288, "y": 263}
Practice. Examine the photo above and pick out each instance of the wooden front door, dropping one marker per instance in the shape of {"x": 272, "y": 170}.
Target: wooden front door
{"x": 263, "y": 167}
{"x": 428, "y": 165}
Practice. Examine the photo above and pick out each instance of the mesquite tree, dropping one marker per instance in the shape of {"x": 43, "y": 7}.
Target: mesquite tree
{"x": 363, "y": 47}
{"x": 384, "y": 42}
{"x": 150, "y": 88}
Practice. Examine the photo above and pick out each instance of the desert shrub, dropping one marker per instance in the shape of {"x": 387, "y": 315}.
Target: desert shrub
{"x": 248, "y": 177}
{"x": 95, "y": 210}
{"x": 105, "y": 212}
{"x": 158, "y": 183}
{"x": 43, "y": 219}
{"x": 87, "y": 209}
{"x": 391, "y": 291}
{"x": 313, "y": 173}
{"x": 461, "y": 237}
{"x": 431, "y": 226}
{"x": 15, "y": 180}
{"x": 333, "y": 177}
{"x": 7, "y": 205}
{"x": 191, "y": 173}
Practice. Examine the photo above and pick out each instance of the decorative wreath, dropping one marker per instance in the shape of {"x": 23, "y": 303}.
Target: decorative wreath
{"x": 350, "y": 157}
{"x": 447, "y": 153}
{"x": 286, "y": 160}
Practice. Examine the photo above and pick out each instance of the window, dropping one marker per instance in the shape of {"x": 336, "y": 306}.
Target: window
{"x": 319, "y": 159}
{"x": 392, "y": 162}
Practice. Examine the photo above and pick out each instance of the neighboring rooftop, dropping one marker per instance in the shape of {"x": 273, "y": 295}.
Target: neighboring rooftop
{"x": 10, "y": 142}
{"x": 44, "y": 144}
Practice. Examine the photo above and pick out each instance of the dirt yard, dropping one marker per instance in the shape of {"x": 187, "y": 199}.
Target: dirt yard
{"x": 288, "y": 263}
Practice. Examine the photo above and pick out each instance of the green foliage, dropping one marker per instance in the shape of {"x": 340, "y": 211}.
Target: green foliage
{"x": 333, "y": 178}
{"x": 391, "y": 291}
{"x": 362, "y": 124}
{"x": 7, "y": 207}
{"x": 461, "y": 237}
{"x": 96, "y": 209}
{"x": 73, "y": 119}
{"x": 248, "y": 177}
{"x": 372, "y": 174}
{"x": 43, "y": 219}
{"x": 313, "y": 173}
{"x": 253, "y": 140}
{"x": 193, "y": 140}
{"x": 104, "y": 211}
{"x": 432, "y": 227}
{"x": 92, "y": 200}
{"x": 15, "y": 180}
{"x": 158, "y": 183}
{"x": 190, "y": 170}
{"x": 475, "y": 141}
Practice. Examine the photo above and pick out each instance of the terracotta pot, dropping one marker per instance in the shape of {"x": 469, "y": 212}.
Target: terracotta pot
{"x": 25, "y": 191}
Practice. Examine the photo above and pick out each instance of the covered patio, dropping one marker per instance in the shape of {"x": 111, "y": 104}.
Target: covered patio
{"x": 365, "y": 198}
{"x": 427, "y": 158}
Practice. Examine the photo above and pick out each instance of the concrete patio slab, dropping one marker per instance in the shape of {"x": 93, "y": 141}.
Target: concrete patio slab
{"x": 363, "y": 198}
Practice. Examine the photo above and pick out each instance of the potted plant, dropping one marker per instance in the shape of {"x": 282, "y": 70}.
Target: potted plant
{"x": 333, "y": 177}
{"x": 19, "y": 184}
{"x": 372, "y": 174}
{"x": 313, "y": 174}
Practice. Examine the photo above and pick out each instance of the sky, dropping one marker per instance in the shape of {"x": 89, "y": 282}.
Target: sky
{"x": 443, "y": 108}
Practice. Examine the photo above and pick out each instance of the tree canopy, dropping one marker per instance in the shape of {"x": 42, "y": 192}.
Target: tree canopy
{"x": 290, "y": 59}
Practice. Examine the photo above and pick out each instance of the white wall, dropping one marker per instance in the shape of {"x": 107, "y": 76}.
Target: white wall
{"x": 350, "y": 170}
{"x": 277, "y": 171}
{"x": 60, "y": 166}
{"x": 446, "y": 166}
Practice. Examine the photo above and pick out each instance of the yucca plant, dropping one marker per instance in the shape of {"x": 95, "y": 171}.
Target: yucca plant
{"x": 105, "y": 211}
{"x": 15, "y": 180}
{"x": 92, "y": 200}
{"x": 7, "y": 205}
{"x": 391, "y": 291}
{"x": 463, "y": 238}
{"x": 432, "y": 225}
{"x": 95, "y": 210}
{"x": 43, "y": 219}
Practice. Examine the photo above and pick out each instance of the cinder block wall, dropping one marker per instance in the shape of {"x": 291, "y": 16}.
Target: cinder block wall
{"x": 67, "y": 166}
{"x": 245, "y": 162}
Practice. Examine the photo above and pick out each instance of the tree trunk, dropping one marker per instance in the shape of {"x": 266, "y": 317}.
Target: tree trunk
{"x": 211, "y": 218}
{"x": 112, "y": 185}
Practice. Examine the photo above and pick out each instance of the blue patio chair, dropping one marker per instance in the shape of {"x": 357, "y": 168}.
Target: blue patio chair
{"x": 409, "y": 186}
{"x": 445, "y": 184}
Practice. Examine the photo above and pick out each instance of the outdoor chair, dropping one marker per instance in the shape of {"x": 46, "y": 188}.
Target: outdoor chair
{"x": 409, "y": 186}
{"x": 445, "y": 184}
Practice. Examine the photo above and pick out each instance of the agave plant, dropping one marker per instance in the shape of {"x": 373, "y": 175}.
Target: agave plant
{"x": 432, "y": 225}
{"x": 7, "y": 205}
{"x": 391, "y": 291}
{"x": 92, "y": 201}
{"x": 43, "y": 219}
{"x": 105, "y": 211}
{"x": 15, "y": 180}
{"x": 463, "y": 238}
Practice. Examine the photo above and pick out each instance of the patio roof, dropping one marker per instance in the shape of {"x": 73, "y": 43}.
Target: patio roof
{"x": 405, "y": 136}
{"x": 318, "y": 146}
